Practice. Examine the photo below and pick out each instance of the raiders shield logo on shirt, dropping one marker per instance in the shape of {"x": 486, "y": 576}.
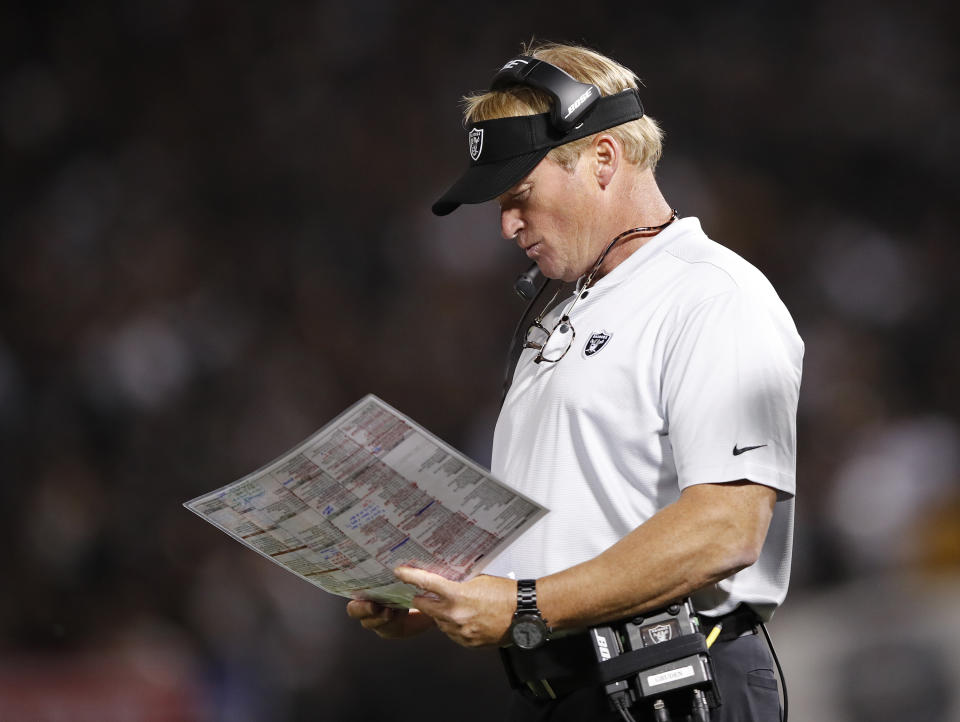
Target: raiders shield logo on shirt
{"x": 596, "y": 342}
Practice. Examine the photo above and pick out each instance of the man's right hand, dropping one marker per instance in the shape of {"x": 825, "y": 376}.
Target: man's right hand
{"x": 387, "y": 622}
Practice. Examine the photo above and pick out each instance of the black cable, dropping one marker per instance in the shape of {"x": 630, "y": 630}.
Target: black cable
{"x": 776, "y": 660}
{"x": 511, "y": 361}
{"x": 660, "y": 711}
{"x": 699, "y": 711}
{"x": 529, "y": 276}
{"x": 621, "y": 705}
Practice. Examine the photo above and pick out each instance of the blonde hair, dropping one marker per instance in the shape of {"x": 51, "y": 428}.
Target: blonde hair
{"x": 642, "y": 139}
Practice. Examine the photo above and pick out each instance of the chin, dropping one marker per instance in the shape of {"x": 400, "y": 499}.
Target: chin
{"x": 564, "y": 275}
{"x": 552, "y": 274}
{"x": 547, "y": 270}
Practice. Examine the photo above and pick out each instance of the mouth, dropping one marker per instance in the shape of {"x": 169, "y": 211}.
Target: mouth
{"x": 533, "y": 250}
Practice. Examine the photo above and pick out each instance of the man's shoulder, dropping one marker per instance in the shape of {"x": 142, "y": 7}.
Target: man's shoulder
{"x": 711, "y": 267}
{"x": 701, "y": 253}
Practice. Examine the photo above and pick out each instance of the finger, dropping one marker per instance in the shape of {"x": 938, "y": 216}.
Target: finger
{"x": 431, "y": 606}
{"x": 380, "y": 620}
{"x": 384, "y": 615}
{"x": 363, "y": 609}
{"x": 357, "y": 609}
{"x": 427, "y": 581}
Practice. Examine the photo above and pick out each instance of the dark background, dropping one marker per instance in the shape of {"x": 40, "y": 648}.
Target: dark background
{"x": 215, "y": 235}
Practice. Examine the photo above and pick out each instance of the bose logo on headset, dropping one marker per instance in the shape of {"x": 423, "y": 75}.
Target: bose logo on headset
{"x": 578, "y": 102}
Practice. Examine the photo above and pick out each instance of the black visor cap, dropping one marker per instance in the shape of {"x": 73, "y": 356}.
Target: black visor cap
{"x": 503, "y": 151}
{"x": 483, "y": 183}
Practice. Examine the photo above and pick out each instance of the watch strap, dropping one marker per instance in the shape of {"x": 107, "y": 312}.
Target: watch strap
{"x": 527, "y": 597}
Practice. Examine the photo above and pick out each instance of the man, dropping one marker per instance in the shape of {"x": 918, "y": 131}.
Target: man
{"x": 653, "y": 412}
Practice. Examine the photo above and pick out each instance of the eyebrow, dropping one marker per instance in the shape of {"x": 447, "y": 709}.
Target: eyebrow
{"x": 509, "y": 195}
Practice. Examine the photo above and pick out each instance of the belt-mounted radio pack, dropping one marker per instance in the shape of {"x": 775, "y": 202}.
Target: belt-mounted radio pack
{"x": 662, "y": 660}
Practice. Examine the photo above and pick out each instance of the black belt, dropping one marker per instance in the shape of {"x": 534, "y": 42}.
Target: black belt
{"x": 742, "y": 620}
{"x": 568, "y": 663}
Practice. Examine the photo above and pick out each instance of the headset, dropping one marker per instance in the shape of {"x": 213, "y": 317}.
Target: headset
{"x": 572, "y": 100}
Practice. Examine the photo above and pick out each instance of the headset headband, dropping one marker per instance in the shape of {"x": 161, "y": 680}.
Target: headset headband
{"x": 572, "y": 100}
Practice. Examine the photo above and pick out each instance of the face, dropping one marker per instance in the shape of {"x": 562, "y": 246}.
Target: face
{"x": 551, "y": 216}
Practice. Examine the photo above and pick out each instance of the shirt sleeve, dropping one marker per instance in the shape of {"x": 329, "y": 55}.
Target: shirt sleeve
{"x": 730, "y": 384}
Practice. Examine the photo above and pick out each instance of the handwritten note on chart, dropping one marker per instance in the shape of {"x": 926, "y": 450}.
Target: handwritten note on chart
{"x": 368, "y": 492}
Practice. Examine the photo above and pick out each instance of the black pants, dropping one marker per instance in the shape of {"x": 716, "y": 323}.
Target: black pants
{"x": 744, "y": 670}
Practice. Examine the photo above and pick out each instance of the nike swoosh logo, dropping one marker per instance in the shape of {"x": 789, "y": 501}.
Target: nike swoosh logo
{"x": 737, "y": 452}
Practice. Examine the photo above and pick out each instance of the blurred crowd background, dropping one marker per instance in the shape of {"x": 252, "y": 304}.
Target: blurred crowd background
{"x": 215, "y": 235}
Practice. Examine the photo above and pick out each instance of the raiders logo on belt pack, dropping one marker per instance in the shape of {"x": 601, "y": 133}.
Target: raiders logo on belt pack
{"x": 596, "y": 342}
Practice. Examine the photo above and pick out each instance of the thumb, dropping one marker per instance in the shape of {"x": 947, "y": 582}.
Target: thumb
{"x": 428, "y": 581}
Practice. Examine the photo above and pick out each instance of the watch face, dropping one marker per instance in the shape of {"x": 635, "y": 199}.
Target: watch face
{"x": 528, "y": 632}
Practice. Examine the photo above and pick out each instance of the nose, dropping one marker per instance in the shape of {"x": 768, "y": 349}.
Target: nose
{"x": 510, "y": 222}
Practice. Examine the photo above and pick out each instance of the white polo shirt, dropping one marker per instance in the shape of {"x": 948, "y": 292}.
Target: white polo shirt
{"x": 685, "y": 369}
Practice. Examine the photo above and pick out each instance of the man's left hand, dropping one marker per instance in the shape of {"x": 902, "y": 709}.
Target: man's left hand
{"x": 476, "y": 613}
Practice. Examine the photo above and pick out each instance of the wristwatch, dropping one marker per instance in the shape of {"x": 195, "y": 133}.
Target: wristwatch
{"x": 528, "y": 630}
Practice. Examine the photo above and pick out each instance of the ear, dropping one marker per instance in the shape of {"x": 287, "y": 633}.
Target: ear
{"x": 607, "y": 155}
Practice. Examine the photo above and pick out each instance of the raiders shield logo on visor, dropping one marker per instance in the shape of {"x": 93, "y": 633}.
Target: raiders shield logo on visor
{"x": 476, "y": 143}
{"x": 596, "y": 342}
